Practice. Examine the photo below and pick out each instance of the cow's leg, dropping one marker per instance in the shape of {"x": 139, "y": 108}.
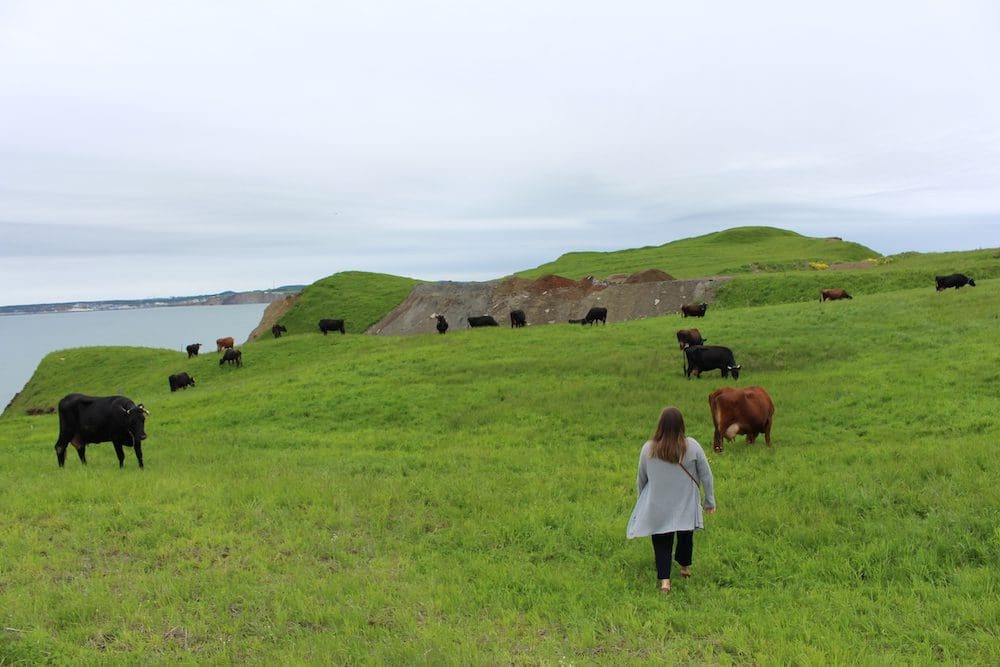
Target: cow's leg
{"x": 120, "y": 453}
{"x": 767, "y": 433}
{"x": 82, "y": 451}
{"x": 61, "y": 452}
{"x": 138, "y": 453}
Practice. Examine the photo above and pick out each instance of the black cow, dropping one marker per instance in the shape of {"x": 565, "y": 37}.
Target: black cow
{"x": 442, "y": 324}
{"x": 192, "y": 349}
{"x": 180, "y": 381}
{"x": 482, "y": 321}
{"x": 517, "y": 319}
{"x": 595, "y": 314}
{"x": 694, "y": 309}
{"x": 700, "y": 358}
{"x": 331, "y": 325}
{"x": 234, "y": 357}
{"x": 955, "y": 280}
{"x": 277, "y": 330}
{"x": 92, "y": 419}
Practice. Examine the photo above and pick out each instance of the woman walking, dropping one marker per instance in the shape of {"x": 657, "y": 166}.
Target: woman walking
{"x": 671, "y": 465}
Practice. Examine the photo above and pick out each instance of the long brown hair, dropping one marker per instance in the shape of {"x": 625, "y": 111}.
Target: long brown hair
{"x": 668, "y": 441}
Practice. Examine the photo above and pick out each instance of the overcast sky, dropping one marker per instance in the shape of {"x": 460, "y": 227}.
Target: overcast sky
{"x": 157, "y": 148}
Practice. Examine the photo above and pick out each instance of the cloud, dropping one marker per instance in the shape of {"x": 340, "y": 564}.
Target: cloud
{"x": 451, "y": 141}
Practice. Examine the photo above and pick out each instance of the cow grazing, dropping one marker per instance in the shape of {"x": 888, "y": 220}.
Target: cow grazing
{"x": 833, "y": 294}
{"x": 180, "y": 381}
{"x": 955, "y": 280}
{"x": 595, "y": 314}
{"x": 192, "y": 349}
{"x": 701, "y": 358}
{"x": 224, "y": 344}
{"x": 482, "y": 321}
{"x": 688, "y": 337}
{"x": 736, "y": 412}
{"x": 517, "y": 319}
{"x": 694, "y": 309}
{"x": 331, "y": 325}
{"x": 442, "y": 324}
{"x": 277, "y": 330}
{"x": 234, "y": 357}
{"x": 92, "y": 419}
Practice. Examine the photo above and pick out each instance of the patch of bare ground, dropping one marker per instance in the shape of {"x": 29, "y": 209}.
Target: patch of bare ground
{"x": 550, "y": 299}
{"x": 846, "y": 266}
{"x": 273, "y": 314}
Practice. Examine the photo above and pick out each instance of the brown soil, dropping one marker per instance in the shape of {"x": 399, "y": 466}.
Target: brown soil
{"x": 272, "y": 315}
{"x": 648, "y": 276}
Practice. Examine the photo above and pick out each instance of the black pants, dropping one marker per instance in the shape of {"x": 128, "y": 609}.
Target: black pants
{"x": 663, "y": 544}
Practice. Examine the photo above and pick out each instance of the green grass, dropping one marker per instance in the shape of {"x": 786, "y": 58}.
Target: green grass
{"x": 771, "y": 266}
{"x": 462, "y": 499}
{"x": 359, "y": 298}
{"x": 893, "y": 273}
{"x": 739, "y": 250}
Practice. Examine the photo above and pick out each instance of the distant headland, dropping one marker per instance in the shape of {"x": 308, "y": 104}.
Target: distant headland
{"x": 220, "y": 299}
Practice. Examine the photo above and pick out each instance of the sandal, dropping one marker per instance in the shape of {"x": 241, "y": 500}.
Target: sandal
{"x": 685, "y": 572}
{"x": 664, "y": 585}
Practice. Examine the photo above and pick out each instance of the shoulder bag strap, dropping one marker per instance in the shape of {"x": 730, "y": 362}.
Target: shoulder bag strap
{"x": 689, "y": 474}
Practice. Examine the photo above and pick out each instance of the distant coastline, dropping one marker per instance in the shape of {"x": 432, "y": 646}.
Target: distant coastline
{"x": 220, "y": 299}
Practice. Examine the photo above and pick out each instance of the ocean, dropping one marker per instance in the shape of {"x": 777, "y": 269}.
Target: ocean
{"x": 26, "y": 339}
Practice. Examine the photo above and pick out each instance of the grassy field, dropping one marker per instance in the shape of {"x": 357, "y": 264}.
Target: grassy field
{"x": 462, "y": 499}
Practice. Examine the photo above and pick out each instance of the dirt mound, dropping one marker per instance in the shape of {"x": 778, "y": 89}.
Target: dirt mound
{"x": 552, "y": 282}
{"x": 648, "y": 276}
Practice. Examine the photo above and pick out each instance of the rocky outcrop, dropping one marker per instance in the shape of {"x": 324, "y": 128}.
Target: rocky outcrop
{"x": 547, "y": 300}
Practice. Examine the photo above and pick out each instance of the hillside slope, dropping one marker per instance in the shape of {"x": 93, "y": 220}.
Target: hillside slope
{"x": 748, "y": 266}
{"x": 463, "y": 498}
{"x": 738, "y": 250}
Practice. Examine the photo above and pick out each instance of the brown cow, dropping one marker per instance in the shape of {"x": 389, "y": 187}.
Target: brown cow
{"x": 223, "y": 343}
{"x": 736, "y": 412}
{"x": 688, "y": 337}
{"x": 833, "y": 294}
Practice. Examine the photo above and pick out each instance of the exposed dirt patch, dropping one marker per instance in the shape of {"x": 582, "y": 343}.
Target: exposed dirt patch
{"x": 845, "y": 266}
{"x": 547, "y": 300}
{"x": 273, "y": 314}
{"x": 648, "y": 276}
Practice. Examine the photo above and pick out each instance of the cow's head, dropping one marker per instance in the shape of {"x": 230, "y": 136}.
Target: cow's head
{"x": 735, "y": 370}
{"x": 972, "y": 283}
{"x": 135, "y": 422}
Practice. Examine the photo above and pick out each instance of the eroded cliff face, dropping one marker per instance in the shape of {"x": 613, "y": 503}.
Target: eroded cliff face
{"x": 547, "y": 300}
{"x": 272, "y": 314}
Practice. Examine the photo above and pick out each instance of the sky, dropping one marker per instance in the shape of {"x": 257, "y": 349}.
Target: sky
{"x": 161, "y": 148}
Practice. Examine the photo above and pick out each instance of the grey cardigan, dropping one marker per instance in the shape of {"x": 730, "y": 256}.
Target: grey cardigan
{"x": 669, "y": 500}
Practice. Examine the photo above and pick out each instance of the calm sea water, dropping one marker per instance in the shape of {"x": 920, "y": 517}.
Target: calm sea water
{"x": 26, "y": 339}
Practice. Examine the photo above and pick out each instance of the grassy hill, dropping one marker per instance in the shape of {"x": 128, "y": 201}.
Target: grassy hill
{"x": 462, "y": 499}
{"x": 738, "y": 250}
{"x": 771, "y": 266}
{"x": 359, "y": 298}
